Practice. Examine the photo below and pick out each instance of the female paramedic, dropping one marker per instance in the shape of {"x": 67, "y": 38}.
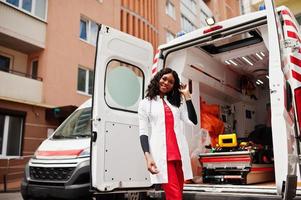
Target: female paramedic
{"x": 165, "y": 147}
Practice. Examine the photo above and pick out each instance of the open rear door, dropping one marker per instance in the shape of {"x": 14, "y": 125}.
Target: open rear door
{"x": 283, "y": 126}
{"x": 122, "y": 69}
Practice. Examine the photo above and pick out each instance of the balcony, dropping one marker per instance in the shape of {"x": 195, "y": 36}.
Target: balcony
{"x": 21, "y": 31}
{"x": 16, "y": 85}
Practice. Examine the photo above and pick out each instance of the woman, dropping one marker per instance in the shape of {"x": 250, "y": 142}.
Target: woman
{"x": 165, "y": 146}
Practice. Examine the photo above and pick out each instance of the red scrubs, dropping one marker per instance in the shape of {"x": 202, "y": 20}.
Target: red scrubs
{"x": 174, "y": 188}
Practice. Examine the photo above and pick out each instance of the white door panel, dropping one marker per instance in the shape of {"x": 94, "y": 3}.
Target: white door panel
{"x": 284, "y": 142}
{"x": 122, "y": 70}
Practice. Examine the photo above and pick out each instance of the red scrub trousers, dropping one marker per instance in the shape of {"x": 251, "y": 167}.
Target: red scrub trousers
{"x": 174, "y": 188}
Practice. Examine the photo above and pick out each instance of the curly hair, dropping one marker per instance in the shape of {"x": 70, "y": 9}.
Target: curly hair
{"x": 174, "y": 96}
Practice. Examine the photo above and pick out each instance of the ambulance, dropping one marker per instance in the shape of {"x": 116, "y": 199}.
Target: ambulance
{"x": 263, "y": 46}
{"x": 97, "y": 148}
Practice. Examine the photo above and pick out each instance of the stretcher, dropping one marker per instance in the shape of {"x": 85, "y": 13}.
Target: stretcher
{"x": 240, "y": 167}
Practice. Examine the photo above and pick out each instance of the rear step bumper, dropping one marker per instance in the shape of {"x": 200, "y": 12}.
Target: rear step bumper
{"x": 237, "y": 191}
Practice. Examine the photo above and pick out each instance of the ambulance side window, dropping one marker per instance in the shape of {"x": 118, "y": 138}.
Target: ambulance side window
{"x": 123, "y": 86}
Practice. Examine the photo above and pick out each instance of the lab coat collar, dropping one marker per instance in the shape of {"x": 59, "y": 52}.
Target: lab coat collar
{"x": 159, "y": 98}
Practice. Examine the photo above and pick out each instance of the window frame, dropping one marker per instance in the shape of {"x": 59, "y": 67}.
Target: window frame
{"x": 87, "y": 70}
{"x": 31, "y": 68}
{"x": 105, "y": 85}
{"x": 169, "y": 5}
{"x": 10, "y": 60}
{"x": 205, "y": 15}
{"x": 10, "y": 113}
{"x": 33, "y": 7}
{"x": 184, "y": 18}
{"x": 89, "y": 23}
{"x": 168, "y": 33}
{"x": 191, "y": 5}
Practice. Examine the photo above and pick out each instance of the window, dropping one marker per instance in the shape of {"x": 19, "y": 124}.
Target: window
{"x": 190, "y": 4}
{"x": 4, "y": 63}
{"x": 170, "y": 9}
{"x": 36, "y": 8}
{"x": 78, "y": 125}
{"x": 13, "y": 2}
{"x": 10, "y": 135}
{"x": 27, "y": 5}
{"x": 186, "y": 25}
{"x": 88, "y": 30}
{"x": 169, "y": 36}
{"x": 34, "y": 69}
{"x": 40, "y": 9}
{"x": 85, "y": 80}
{"x": 123, "y": 86}
{"x": 203, "y": 16}
{"x": 242, "y": 7}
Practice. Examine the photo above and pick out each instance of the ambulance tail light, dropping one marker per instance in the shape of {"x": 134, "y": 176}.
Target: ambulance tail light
{"x": 298, "y": 105}
{"x": 212, "y": 28}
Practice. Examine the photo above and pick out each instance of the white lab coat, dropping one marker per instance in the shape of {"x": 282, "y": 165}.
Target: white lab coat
{"x": 152, "y": 124}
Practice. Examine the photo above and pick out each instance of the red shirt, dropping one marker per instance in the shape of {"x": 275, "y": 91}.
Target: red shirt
{"x": 172, "y": 148}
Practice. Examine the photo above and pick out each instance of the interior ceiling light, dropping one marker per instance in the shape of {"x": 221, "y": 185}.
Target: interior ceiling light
{"x": 249, "y": 62}
{"x": 267, "y": 77}
{"x": 257, "y": 83}
{"x": 231, "y": 61}
{"x": 227, "y": 62}
{"x": 259, "y": 56}
{"x": 262, "y": 53}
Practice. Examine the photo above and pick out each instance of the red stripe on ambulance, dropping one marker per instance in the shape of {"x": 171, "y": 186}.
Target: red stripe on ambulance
{"x": 286, "y": 12}
{"x": 290, "y": 23}
{"x": 295, "y": 61}
{"x": 60, "y": 153}
{"x": 296, "y": 75}
{"x": 294, "y": 35}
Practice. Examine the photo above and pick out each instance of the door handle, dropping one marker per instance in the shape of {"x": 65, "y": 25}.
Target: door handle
{"x": 94, "y": 136}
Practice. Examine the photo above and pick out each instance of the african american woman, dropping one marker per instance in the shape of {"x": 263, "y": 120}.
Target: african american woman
{"x": 162, "y": 139}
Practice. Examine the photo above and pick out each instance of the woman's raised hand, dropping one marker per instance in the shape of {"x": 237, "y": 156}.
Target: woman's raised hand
{"x": 184, "y": 89}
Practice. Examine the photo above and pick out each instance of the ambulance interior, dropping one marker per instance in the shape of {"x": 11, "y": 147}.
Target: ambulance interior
{"x": 230, "y": 86}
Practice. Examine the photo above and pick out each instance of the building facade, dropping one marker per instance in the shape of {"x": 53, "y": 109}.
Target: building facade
{"x": 46, "y": 61}
{"x": 47, "y": 51}
{"x": 224, "y": 9}
{"x": 293, "y": 5}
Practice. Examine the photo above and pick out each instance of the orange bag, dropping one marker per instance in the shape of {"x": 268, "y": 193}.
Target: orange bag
{"x": 211, "y": 122}
{"x": 212, "y": 109}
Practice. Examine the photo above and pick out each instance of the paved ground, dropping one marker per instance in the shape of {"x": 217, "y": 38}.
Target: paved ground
{"x": 188, "y": 196}
{"x": 10, "y": 196}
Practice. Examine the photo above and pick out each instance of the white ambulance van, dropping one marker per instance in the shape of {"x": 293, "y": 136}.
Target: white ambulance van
{"x": 60, "y": 167}
{"x": 263, "y": 46}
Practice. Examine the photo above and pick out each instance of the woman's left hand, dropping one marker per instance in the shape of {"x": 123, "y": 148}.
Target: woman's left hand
{"x": 184, "y": 89}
